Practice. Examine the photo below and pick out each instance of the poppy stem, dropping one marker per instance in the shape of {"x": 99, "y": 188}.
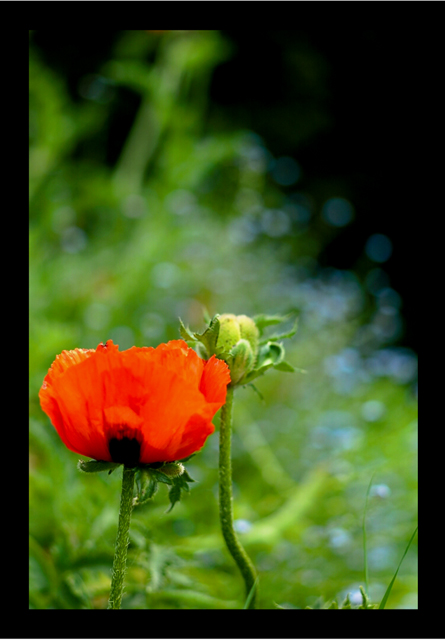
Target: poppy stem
{"x": 122, "y": 539}
{"x": 226, "y": 501}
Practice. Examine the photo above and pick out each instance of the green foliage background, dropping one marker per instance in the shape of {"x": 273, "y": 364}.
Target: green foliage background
{"x": 185, "y": 218}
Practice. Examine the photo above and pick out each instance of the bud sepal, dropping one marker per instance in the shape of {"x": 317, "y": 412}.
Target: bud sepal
{"x": 240, "y": 360}
{"x": 173, "y": 474}
{"x": 147, "y": 478}
{"x": 96, "y": 466}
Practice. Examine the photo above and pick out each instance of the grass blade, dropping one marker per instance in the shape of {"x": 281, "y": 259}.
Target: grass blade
{"x": 365, "y": 553}
{"x": 388, "y": 591}
{"x": 251, "y": 592}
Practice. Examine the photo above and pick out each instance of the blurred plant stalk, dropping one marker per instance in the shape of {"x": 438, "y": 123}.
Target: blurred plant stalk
{"x": 182, "y": 57}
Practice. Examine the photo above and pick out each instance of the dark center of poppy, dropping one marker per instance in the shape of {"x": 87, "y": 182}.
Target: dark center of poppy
{"x": 126, "y": 451}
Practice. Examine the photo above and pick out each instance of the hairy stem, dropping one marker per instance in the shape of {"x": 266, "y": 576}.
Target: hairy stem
{"x": 122, "y": 539}
{"x": 225, "y": 499}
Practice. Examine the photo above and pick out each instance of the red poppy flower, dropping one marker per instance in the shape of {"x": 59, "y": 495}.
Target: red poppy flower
{"x": 142, "y": 405}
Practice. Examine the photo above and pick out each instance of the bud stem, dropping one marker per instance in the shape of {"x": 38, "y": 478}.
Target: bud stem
{"x": 225, "y": 499}
{"x": 122, "y": 539}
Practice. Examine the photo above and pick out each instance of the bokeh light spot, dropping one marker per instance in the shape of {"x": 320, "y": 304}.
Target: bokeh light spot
{"x": 380, "y": 491}
{"x": 376, "y": 280}
{"x": 96, "y": 316}
{"x": 96, "y": 88}
{"x": 165, "y": 274}
{"x": 286, "y": 171}
{"x": 63, "y": 217}
{"x": 378, "y": 247}
{"x": 338, "y": 212}
{"x": 242, "y": 526}
{"x": 180, "y": 202}
{"x": 134, "y": 206}
{"x": 373, "y": 410}
{"x": 275, "y": 223}
{"x": 73, "y": 240}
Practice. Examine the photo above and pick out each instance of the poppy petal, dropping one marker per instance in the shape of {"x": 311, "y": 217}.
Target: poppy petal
{"x": 164, "y": 398}
{"x": 214, "y": 381}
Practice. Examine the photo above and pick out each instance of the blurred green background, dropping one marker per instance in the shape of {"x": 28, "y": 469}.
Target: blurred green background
{"x": 171, "y": 171}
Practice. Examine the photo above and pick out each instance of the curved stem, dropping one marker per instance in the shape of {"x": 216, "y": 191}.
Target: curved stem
{"x": 225, "y": 499}
{"x": 122, "y": 539}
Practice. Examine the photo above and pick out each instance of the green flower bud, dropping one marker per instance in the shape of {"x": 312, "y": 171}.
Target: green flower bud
{"x": 237, "y": 344}
{"x": 229, "y": 332}
{"x": 172, "y": 469}
{"x": 249, "y": 331}
{"x": 240, "y": 361}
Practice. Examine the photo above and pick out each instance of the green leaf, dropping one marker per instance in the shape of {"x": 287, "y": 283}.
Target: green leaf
{"x": 182, "y": 482}
{"x": 174, "y": 496}
{"x": 288, "y": 606}
{"x": 146, "y": 486}
{"x": 185, "y": 333}
{"x": 161, "y": 477}
{"x": 251, "y": 594}
{"x": 255, "y": 374}
{"x": 284, "y": 366}
{"x": 388, "y": 591}
{"x": 346, "y": 603}
{"x": 262, "y": 321}
{"x": 365, "y": 600}
{"x": 282, "y": 336}
{"x": 179, "y": 483}
{"x": 270, "y": 354}
{"x": 95, "y": 466}
{"x": 150, "y": 490}
{"x": 139, "y": 502}
{"x": 141, "y": 479}
{"x": 210, "y": 336}
{"x": 257, "y": 391}
{"x": 186, "y": 476}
